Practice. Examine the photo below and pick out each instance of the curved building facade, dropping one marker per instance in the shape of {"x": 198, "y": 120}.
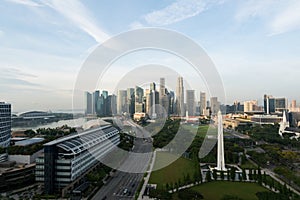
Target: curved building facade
{"x": 5, "y": 124}
{"x": 68, "y": 158}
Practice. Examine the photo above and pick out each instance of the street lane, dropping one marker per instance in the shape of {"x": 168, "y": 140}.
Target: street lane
{"x": 124, "y": 185}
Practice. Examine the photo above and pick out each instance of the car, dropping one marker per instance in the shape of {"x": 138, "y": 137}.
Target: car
{"x": 125, "y": 191}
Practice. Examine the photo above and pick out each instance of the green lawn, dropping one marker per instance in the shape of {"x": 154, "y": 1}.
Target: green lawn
{"x": 217, "y": 189}
{"x": 171, "y": 173}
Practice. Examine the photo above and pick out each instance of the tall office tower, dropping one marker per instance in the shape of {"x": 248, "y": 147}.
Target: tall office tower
{"x": 162, "y": 87}
{"x": 220, "y": 157}
{"x": 190, "y": 102}
{"x": 250, "y": 106}
{"x": 280, "y": 104}
{"x": 88, "y": 103}
{"x": 269, "y": 104}
{"x": 112, "y": 105}
{"x": 139, "y": 94}
{"x": 214, "y": 105}
{"x": 202, "y": 103}
{"x": 180, "y": 97}
{"x": 131, "y": 100}
{"x": 95, "y": 100}
{"x": 272, "y": 104}
{"x": 102, "y": 104}
{"x": 163, "y": 98}
{"x": 293, "y": 106}
{"x": 122, "y": 101}
{"x": 172, "y": 102}
{"x": 5, "y": 124}
{"x": 148, "y": 101}
{"x": 105, "y": 106}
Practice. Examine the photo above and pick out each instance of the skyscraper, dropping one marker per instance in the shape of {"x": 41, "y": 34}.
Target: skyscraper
{"x": 122, "y": 102}
{"x": 202, "y": 103}
{"x": 214, "y": 105}
{"x": 190, "y": 102}
{"x": 250, "y": 106}
{"x": 180, "y": 97}
{"x": 164, "y": 97}
{"x": 272, "y": 104}
{"x": 5, "y": 124}
{"x": 131, "y": 100}
{"x": 95, "y": 101}
{"x": 88, "y": 103}
{"x": 112, "y": 105}
{"x": 162, "y": 87}
{"x": 139, "y": 94}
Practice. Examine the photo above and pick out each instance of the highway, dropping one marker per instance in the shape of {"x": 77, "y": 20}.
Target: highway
{"x": 123, "y": 185}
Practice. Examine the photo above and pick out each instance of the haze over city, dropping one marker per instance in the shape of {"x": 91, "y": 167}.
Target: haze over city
{"x": 254, "y": 45}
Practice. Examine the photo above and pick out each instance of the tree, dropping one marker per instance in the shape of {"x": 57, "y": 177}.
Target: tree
{"x": 222, "y": 175}
{"x": 259, "y": 176}
{"x": 244, "y": 175}
{"x": 264, "y": 178}
{"x": 250, "y": 175}
{"x": 215, "y": 175}
{"x": 208, "y": 176}
{"x": 232, "y": 173}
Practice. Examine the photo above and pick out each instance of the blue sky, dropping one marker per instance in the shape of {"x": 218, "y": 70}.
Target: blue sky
{"x": 254, "y": 44}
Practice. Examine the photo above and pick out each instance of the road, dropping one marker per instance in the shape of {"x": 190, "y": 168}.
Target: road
{"x": 123, "y": 185}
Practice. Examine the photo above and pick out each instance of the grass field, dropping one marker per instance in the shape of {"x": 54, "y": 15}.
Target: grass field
{"x": 171, "y": 173}
{"x": 217, "y": 189}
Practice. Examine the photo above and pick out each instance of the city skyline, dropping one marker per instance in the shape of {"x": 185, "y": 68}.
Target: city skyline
{"x": 51, "y": 39}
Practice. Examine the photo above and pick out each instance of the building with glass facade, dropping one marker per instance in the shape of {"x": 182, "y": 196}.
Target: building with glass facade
{"x": 5, "y": 124}
{"x": 67, "y": 159}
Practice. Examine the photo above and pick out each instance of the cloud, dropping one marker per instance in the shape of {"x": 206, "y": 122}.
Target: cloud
{"x": 279, "y": 16}
{"x": 77, "y": 13}
{"x": 136, "y": 25}
{"x": 287, "y": 20}
{"x": 178, "y": 11}
{"x": 25, "y": 2}
{"x": 16, "y": 81}
{"x": 15, "y": 72}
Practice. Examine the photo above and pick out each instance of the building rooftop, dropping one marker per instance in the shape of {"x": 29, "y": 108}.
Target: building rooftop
{"x": 29, "y": 141}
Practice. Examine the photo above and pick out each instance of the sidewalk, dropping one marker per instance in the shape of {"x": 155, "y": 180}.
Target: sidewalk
{"x": 146, "y": 179}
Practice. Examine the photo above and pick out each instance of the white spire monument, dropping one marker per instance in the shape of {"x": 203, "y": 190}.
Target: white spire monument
{"x": 220, "y": 158}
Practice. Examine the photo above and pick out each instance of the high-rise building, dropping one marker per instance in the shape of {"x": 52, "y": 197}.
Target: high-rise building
{"x": 280, "y": 104}
{"x": 5, "y": 128}
{"x": 250, "y": 106}
{"x": 202, "y": 103}
{"x": 148, "y": 101}
{"x": 122, "y": 102}
{"x": 112, "y": 105}
{"x": 190, "y": 102}
{"x": 180, "y": 97}
{"x": 67, "y": 160}
{"x": 164, "y": 97}
{"x": 5, "y": 124}
{"x": 131, "y": 100}
{"x": 172, "y": 102}
{"x": 88, "y": 103}
{"x": 139, "y": 94}
{"x": 162, "y": 87}
{"x": 214, "y": 105}
{"x": 272, "y": 104}
{"x": 96, "y": 95}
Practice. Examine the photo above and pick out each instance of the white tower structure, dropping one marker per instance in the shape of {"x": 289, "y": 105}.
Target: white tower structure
{"x": 153, "y": 106}
{"x": 283, "y": 124}
{"x": 220, "y": 158}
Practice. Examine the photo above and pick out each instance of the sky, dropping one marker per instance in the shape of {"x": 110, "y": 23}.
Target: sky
{"x": 253, "y": 44}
